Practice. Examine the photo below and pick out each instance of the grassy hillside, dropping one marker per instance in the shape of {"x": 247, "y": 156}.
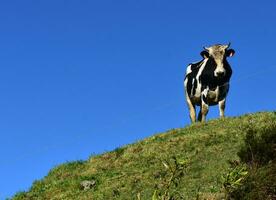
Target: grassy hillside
{"x": 187, "y": 162}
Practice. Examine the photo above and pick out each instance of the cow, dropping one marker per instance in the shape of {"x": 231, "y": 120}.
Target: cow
{"x": 207, "y": 82}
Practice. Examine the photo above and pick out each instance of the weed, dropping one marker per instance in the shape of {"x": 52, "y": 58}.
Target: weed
{"x": 174, "y": 172}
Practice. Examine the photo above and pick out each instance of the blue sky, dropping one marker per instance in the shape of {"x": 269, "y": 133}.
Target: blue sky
{"x": 83, "y": 77}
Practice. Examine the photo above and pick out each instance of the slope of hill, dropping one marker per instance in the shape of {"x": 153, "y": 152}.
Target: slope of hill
{"x": 187, "y": 162}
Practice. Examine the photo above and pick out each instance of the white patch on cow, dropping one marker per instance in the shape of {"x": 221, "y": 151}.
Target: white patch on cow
{"x": 189, "y": 70}
{"x": 217, "y": 94}
{"x": 205, "y": 92}
{"x": 221, "y": 107}
{"x": 213, "y": 94}
{"x": 198, "y": 88}
{"x": 193, "y": 85}
{"x": 201, "y": 68}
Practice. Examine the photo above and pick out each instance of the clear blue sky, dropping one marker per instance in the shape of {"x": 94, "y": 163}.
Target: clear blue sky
{"x": 84, "y": 77}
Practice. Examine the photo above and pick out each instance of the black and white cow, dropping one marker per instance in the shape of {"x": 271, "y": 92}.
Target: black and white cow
{"x": 207, "y": 82}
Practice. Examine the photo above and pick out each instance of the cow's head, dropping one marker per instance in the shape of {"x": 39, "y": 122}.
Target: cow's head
{"x": 218, "y": 54}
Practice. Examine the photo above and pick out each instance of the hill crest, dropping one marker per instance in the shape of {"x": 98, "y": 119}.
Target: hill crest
{"x": 139, "y": 170}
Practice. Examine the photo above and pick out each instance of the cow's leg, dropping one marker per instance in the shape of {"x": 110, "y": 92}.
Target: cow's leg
{"x": 204, "y": 108}
{"x": 199, "y": 116}
{"x": 191, "y": 109}
{"x": 221, "y": 108}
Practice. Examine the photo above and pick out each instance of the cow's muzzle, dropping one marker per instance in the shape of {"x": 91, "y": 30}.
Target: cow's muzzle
{"x": 219, "y": 74}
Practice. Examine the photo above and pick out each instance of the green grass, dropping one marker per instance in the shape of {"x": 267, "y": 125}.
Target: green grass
{"x": 138, "y": 168}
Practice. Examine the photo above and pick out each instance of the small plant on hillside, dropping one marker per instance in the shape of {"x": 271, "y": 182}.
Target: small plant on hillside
{"x": 235, "y": 177}
{"x": 174, "y": 172}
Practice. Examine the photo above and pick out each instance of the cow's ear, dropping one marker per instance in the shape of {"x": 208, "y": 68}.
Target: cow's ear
{"x": 204, "y": 54}
{"x": 230, "y": 52}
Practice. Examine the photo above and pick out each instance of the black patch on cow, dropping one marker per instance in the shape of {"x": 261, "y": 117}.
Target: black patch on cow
{"x": 204, "y": 54}
{"x": 194, "y": 86}
{"x": 204, "y": 99}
